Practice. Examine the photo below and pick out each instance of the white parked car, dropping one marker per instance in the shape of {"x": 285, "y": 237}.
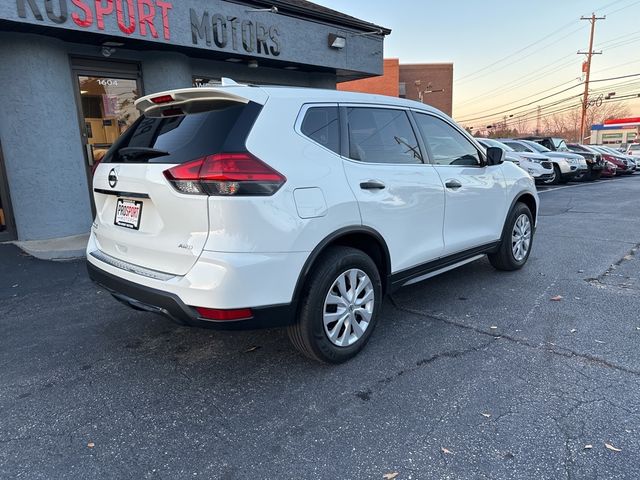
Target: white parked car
{"x": 248, "y": 207}
{"x": 535, "y": 164}
{"x": 566, "y": 165}
{"x": 633, "y": 150}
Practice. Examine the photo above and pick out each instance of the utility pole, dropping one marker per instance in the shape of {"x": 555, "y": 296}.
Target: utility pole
{"x": 538, "y": 121}
{"x": 585, "y": 100}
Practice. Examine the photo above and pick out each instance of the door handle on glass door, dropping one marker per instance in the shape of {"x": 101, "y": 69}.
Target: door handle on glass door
{"x": 453, "y": 184}
{"x": 372, "y": 185}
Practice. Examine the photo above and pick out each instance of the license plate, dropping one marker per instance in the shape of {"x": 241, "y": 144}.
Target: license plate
{"x": 128, "y": 213}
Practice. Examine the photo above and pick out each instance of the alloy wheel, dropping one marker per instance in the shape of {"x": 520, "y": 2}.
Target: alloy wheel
{"x": 521, "y": 238}
{"x": 348, "y": 308}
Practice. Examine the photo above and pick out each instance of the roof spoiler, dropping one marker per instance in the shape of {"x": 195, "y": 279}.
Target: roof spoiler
{"x": 192, "y": 100}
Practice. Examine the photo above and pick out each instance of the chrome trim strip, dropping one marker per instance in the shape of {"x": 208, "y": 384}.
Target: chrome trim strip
{"x": 131, "y": 268}
{"x": 442, "y": 270}
{"x": 120, "y": 194}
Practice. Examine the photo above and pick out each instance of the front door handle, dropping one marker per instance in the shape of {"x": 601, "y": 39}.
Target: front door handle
{"x": 453, "y": 184}
{"x": 372, "y": 185}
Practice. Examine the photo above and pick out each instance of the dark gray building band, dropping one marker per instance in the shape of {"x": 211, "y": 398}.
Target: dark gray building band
{"x": 70, "y": 71}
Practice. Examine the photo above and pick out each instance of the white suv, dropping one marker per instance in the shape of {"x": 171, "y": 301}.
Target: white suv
{"x": 247, "y": 207}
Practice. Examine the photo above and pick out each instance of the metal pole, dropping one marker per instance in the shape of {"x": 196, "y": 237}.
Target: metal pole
{"x": 590, "y": 53}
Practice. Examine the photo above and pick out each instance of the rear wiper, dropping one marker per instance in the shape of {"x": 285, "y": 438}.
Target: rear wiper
{"x": 139, "y": 153}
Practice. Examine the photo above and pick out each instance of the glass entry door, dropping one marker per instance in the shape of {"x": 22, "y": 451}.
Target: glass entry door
{"x": 105, "y": 93}
{"x": 107, "y": 111}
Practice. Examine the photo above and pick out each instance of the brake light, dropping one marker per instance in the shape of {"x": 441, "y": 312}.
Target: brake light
{"x": 226, "y": 174}
{"x": 224, "y": 315}
{"x": 162, "y": 99}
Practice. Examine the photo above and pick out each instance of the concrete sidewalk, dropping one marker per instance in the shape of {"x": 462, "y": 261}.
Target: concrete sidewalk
{"x": 66, "y": 248}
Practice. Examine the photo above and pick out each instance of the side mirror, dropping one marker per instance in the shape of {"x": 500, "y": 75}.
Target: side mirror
{"x": 495, "y": 156}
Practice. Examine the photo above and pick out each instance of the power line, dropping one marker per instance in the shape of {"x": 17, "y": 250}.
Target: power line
{"x": 549, "y": 96}
{"x": 517, "y": 117}
{"x": 514, "y": 83}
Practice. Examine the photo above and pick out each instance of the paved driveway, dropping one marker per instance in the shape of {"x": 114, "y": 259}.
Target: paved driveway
{"x": 473, "y": 374}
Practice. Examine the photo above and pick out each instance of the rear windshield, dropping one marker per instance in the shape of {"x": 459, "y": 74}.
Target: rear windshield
{"x": 182, "y": 138}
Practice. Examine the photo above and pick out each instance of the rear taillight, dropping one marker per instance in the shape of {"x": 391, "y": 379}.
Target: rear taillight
{"x": 226, "y": 174}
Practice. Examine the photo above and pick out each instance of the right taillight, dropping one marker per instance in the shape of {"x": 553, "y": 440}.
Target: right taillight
{"x": 226, "y": 174}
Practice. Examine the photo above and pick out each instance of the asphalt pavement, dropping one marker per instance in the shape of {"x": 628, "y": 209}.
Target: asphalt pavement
{"x": 475, "y": 374}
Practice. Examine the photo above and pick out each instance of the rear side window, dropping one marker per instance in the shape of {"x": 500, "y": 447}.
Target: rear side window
{"x": 186, "y": 137}
{"x": 322, "y": 125}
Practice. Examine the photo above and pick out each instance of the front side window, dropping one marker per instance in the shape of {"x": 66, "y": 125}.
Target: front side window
{"x": 446, "y": 145}
{"x": 322, "y": 125}
{"x": 381, "y": 135}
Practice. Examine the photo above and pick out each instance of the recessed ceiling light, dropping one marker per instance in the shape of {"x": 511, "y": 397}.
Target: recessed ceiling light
{"x": 292, "y": 67}
{"x": 113, "y": 44}
{"x": 234, "y": 60}
{"x": 253, "y": 64}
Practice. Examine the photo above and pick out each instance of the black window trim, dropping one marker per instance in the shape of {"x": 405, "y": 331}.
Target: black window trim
{"x": 300, "y": 120}
{"x": 465, "y": 134}
{"x": 344, "y": 132}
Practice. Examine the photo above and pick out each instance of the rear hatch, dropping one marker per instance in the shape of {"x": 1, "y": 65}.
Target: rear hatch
{"x": 142, "y": 218}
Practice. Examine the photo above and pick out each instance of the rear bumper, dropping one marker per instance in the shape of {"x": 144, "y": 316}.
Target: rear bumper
{"x": 141, "y": 297}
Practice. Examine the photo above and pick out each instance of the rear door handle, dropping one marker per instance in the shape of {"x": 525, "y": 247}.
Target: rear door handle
{"x": 453, "y": 184}
{"x": 372, "y": 185}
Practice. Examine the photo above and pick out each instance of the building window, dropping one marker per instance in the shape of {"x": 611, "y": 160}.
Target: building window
{"x": 403, "y": 90}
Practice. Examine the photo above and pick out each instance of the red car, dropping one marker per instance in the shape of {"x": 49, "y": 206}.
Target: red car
{"x": 623, "y": 166}
{"x": 609, "y": 170}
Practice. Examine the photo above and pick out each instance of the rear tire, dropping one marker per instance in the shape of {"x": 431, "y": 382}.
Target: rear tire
{"x": 517, "y": 240}
{"x": 339, "y": 306}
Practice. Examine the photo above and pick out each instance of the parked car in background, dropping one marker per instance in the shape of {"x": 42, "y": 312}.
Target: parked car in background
{"x": 555, "y": 144}
{"x": 624, "y": 166}
{"x": 624, "y": 155}
{"x": 203, "y": 217}
{"x": 565, "y": 165}
{"x": 610, "y": 170}
{"x": 634, "y": 150}
{"x": 594, "y": 159}
{"x": 538, "y": 166}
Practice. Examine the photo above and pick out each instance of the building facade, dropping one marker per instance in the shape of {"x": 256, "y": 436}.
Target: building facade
{"x": 430, "y": 83}
{"x": 71, "y": 71}
{"x": 616, "y": 131}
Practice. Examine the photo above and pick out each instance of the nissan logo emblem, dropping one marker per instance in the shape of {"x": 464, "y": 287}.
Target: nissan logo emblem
{"x": 113, "y": 178}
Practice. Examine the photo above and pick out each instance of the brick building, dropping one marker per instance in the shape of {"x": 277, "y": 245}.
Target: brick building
{"x": 430, "y": 83}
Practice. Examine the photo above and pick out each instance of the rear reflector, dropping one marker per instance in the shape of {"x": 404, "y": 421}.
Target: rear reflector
{"x": 162, "y": 99}
{"x": 226, "y": 174}
{"x": 224, "y": 315}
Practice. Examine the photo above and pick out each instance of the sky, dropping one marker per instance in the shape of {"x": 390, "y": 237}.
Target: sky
{"x": 510, "y": 53}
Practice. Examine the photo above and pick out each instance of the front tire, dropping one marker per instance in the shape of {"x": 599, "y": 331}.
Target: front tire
{"x": 339, "y": 306}
{"x": 555, "y": 180}
{"x": 515, "y": 247}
